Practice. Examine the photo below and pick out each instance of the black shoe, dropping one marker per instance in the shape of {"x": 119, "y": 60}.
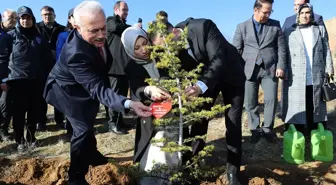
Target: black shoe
{"x": 256, "y": 134}
{"x": 233, "y": 179}
{"x": 119, "y": 131}
{"x": 98, "y": 159}
{"x": 270, "y": 137}
{"x": 41, "y": 127}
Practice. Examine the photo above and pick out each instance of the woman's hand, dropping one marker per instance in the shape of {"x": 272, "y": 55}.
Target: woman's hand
{"x": 156, "y": 93}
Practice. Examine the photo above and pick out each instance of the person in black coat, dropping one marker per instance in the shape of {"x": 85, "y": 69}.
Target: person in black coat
{"x": 78, "y": 83}
{"x": 223, "y": 72}
{"x": 8, "y": 20}
{"x": 30, "y": 62}
{"x": 135, "y": 41}
{"x": 116, "y": 24}
{"x": 49, "y": 29}
{"x": 4, "y": 59}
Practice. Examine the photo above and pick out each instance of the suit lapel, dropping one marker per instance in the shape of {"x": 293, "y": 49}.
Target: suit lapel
{"x": 298, "y": 37}
{"x": 316, "y": 33}
{"x": 251, "y": 32}
{"x": 264, "y": 33}
{"x": 109, "y": 58}
{"x": 194, "y": 44}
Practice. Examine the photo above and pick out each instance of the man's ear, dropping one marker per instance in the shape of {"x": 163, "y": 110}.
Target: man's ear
{"x": 77, "y": 28}
{"x": 177, "y": 32}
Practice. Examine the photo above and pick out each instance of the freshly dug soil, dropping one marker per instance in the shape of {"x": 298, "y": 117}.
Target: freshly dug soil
{"x": 53, "y": 171}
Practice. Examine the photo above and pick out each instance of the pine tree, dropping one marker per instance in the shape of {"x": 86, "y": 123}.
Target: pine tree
{"x": 186, "y": 110}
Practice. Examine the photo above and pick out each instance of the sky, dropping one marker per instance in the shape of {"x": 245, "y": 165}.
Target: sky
{"x": 225, "y": 13}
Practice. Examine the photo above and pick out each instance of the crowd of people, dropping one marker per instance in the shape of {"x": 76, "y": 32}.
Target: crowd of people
{"x": 96, "y": 60}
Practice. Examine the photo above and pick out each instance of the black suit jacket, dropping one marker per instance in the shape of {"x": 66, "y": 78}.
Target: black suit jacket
{"x": 222, "y": 62}
{"x": 78, "y": 81}
{"x": 115, "y": 27}
{"x": 290, "y": 21}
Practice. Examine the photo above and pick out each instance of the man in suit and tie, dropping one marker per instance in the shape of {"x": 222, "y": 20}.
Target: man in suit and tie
{"x": 223, "y": 72}
{"x": 79, "y": 82}
{"x": 290, "y": 21}
{"x": 261, "y": 43}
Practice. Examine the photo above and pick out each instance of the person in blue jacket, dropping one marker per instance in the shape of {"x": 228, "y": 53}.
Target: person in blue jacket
{"x": 29, "y": 64}
{"x": 62, "y": 37}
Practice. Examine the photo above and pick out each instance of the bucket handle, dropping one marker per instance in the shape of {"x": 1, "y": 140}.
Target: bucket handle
{"x": 293, "y": 130}
{"x": 320, "y": 128}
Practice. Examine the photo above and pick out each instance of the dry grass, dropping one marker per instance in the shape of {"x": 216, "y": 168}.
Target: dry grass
{"x": 54, "y": 143}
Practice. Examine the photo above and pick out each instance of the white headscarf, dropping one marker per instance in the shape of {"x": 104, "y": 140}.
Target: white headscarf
{"x": 128, "y": 39}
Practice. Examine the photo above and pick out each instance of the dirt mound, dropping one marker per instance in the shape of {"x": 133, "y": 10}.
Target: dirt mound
{"x": 54, "y": 172}
{"x": 106, "y": 174}
{"x": 34, "y": 171}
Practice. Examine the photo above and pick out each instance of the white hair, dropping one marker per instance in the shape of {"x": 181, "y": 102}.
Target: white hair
{"x": 87, "y": 9}
{"x": 8, "y": 11}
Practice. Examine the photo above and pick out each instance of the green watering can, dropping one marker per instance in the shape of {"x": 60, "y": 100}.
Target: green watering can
{"x": 293, "y": 146}
{"x": 322, "y": 144}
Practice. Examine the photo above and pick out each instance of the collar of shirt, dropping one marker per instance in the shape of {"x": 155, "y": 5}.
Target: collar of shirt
{"x": 256, "y": 23}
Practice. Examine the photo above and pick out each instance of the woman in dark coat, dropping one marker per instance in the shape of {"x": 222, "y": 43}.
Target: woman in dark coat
{"x": 29, "y": 64}
{"x": 135, "y": 42}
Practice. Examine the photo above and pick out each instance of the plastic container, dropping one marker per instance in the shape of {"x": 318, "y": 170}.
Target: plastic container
{"x": 322, "y": 144}
{"x": 293, "y": 146}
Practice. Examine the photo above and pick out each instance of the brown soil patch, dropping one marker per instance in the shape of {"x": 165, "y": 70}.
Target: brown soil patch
{"x": 37, "y": 171}
{"x": 53, "y": 172}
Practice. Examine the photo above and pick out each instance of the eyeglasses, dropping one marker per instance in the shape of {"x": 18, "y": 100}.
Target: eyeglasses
{"x": 267, "y": 13}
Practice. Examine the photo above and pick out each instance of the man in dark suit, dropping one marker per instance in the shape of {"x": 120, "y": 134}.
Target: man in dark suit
{"x": 261, "y": 43}
{"x": 78, "y": 83}
{"x": 290, "y": 21}
{"x": 223, "y": 72}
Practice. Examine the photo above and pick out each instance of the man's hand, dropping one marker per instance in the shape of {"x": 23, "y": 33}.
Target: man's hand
{"x": 140, "y": 109}
{"x": 279, "y": 73}
{"x": 4, "y": 87}
{"x": 193, "y": 91}
{"x": 156, "y": 94}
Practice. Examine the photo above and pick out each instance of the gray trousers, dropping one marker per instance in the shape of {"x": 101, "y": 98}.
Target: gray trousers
{"x": 270, "y": 88}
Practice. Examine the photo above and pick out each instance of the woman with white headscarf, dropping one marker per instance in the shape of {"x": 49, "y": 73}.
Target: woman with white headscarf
{"x": 135, "y": 42}
{"x": 309, "y": 60}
